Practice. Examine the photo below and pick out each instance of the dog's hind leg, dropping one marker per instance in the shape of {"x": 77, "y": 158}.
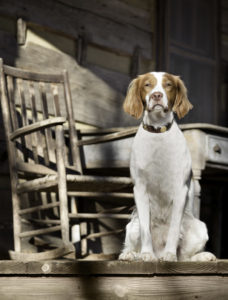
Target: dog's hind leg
{"x": 132, "y": 240}
{"x": 193, "y": 241}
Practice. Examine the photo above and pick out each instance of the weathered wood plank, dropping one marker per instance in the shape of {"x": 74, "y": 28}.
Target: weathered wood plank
{"x": 117, "y": 80}
{"x": 7, "y": 24}
{"x": 136, "y": 16}
{"x": 109, "y": 60}
{"x": 174, "y": 287}
{"x": 222, "y": 266}
{"x": 73, "y": 21}
{"x": 113, "y": 267}
{"x": 93, "y": 104}
{"x": 187, "y": 268}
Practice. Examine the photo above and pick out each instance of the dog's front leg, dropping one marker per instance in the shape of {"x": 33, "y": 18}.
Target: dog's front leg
{"x": 170, "y": 251}
{"x": 143, "y": 208}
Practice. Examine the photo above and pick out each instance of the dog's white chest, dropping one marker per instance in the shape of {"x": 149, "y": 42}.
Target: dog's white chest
{"x": 162, "y": 163}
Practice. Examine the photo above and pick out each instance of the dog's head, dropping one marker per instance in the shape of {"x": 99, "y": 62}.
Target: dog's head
{"x": 157, "y": 91}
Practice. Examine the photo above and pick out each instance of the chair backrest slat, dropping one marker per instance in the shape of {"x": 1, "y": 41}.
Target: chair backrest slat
{"x": 39, "y": 137}
{"x": 36, "y": 137}
{"x": 21, "y": 95}
{"x": 55, "y": 93}
{"x": 75, "y": 152}
{"x": 12, "y": 105}
{"x": 35, "y": 76}
{"x": 50, "y": 146}
{"x": 56, "y": 100}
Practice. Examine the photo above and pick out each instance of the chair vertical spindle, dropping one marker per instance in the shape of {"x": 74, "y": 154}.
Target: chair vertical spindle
{"x": 54, "y": 89}
{"x": 12, "y": 105}
{"x": 72, "y": 130}
{"x": 48, "y": 134}
{"x": 39, "y": 136}
{"x": 29, "y": 140}
{"x": 34, "y": 118}
{"x": 22, "y": 102}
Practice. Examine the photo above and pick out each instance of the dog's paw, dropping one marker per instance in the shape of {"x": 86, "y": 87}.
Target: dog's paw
{"x": 203, "y": 256}
{"x": 146, "y": 256}
{"x": 168, "y": 256}
{"x": 129, "y": 256}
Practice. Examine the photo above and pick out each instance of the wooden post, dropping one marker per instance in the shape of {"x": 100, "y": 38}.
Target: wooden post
{"x": 12, "y": 162}
{"x": 72, "y": 130}
{"x": 21, "y": 31}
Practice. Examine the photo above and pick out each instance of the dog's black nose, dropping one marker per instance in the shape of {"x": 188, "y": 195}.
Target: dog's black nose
{"x": 156, "y": 96}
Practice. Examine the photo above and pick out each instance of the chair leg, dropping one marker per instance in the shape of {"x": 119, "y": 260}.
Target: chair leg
{"x": 64, "y": 211}
{"x": 62, "y": 185}
{"x": 75, "y": 229}
{"x": 16, "y": 222}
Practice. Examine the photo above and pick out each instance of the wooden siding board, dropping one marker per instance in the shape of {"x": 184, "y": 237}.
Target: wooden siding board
{"x": 51, "y": 40}
{"x": 116, "y": 10}
{"x": 108, "y": 60}
{"x": 75, "y": 21}
{"x": 224, "y": 46}
{"x": 94, "y": 101}
{"x": 117, "y": 80}
{"x": 8, "y": 46}
{"x": 7, "y": 24}
{"x": 224, "y": 4}
{"x": 224, "y": 19}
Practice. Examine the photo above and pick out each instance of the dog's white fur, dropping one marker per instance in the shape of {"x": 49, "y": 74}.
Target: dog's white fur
{"x": 162, "y": 226}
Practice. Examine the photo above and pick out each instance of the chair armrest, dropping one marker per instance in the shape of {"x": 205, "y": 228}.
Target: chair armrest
{"x": 37, "y": 126}
{"x": 108, "y": 137}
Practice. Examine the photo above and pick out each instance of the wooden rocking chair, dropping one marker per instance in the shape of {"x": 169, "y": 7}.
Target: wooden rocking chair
{"x": 45, "y": 165}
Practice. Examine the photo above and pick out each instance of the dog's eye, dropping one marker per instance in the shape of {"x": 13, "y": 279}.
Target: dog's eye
{"x": 147, "y": 84}
{"x": 168, "y": 84}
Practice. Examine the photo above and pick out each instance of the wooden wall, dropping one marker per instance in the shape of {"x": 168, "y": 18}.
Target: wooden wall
{"x": 102, "y": 44}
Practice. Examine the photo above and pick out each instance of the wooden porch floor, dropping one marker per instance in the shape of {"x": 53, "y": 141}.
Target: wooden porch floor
{"x": 66, "y": 279}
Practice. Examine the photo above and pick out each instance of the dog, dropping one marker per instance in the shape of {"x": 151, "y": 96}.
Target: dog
{"x": 162, "y": 226}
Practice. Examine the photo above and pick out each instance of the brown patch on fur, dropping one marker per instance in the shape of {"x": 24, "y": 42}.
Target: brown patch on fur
{"x": 137, "y": 90}
{"x": 177, "y": 95}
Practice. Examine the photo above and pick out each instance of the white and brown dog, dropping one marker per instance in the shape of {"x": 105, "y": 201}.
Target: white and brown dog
{"x": 162, "y": 226}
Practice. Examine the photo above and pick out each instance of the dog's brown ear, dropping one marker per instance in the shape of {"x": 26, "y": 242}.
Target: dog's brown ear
{"x": 133, "y": 104}
{"x": 181, "y": 105}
